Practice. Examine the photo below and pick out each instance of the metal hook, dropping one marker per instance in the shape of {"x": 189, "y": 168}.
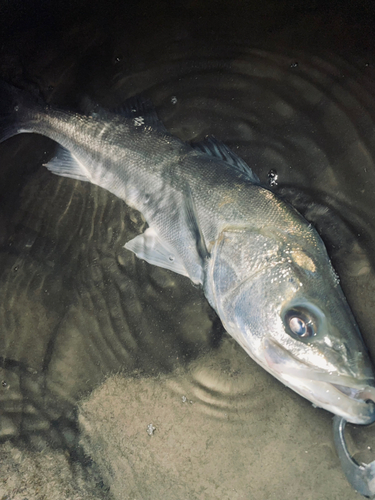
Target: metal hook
{"x": 360, "y": 476}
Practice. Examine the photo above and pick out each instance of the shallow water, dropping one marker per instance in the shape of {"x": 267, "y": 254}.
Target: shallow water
{"x": 290, "y": 91}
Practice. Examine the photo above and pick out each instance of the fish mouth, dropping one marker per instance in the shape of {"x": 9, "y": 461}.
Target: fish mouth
{"x": 366, "y": 394}
{"x": 351, "y": 398}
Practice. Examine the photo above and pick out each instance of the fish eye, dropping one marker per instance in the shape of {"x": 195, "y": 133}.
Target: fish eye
{"x": 299, "y": 327}
{"x": 300, "y": 324}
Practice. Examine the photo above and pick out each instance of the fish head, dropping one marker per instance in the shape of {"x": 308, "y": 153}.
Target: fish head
{"x": 280, "y": 298}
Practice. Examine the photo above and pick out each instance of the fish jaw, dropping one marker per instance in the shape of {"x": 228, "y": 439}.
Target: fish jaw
{"x": 351, "y": 398}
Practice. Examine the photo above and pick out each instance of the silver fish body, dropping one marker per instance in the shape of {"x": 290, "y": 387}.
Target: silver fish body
{"x": 263, "y": 268}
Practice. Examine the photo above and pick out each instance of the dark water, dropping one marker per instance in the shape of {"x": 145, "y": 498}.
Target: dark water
{"x": 290, "y": 87}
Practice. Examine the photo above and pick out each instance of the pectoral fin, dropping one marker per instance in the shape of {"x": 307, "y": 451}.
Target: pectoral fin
{"x": 191, "y": 219}
{"x": 149, "y": 247}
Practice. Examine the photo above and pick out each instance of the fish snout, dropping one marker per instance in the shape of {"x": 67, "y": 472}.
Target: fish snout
{"x": 363, "y": 395}
{"x": 341, "y": 393}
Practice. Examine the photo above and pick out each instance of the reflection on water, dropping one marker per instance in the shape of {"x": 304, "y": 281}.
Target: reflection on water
{"x": 76, "y": 307}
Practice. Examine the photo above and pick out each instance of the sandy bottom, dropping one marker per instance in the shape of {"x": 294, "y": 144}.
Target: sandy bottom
{"x": 48, "y": 475}
{"x": 224, "y": 429}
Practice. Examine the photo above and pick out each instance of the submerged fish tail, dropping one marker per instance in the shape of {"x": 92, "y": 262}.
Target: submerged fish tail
{"x": 16, "y": 111}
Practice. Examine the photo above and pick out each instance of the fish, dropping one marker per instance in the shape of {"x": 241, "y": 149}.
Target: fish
{"x": 262, "y": 266}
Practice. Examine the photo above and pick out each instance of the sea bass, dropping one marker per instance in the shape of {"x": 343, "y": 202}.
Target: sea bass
{"x": 263, "y": 268}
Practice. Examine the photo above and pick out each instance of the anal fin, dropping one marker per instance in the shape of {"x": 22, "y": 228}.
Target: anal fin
{"x": 66, "y": 164}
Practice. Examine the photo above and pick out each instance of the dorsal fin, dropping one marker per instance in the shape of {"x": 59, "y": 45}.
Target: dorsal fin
{"x": 92, "y": 108}
{"x": 142, "y": 111}
{"x": 137, "y": 108}
{"x": 218, "y": 149}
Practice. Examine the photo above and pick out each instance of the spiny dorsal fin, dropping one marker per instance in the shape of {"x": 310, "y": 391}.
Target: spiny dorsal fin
{"x": 217, "y": 149}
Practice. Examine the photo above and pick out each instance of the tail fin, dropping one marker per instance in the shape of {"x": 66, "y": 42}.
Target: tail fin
{"x": 14, "y": 104}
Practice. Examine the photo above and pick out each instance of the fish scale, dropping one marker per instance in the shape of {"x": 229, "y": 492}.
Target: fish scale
{"x": 262, "y": 266}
